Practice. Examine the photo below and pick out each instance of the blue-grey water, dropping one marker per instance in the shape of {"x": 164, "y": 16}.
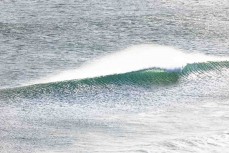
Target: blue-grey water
{"x": 114, "y": 76}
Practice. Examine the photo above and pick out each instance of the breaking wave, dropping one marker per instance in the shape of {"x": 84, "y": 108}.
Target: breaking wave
{"x": 136, "y": 58}
{"x": 141, "y": 65}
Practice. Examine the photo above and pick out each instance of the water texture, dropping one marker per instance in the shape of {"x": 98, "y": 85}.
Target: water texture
{"x": 114, "y": 76}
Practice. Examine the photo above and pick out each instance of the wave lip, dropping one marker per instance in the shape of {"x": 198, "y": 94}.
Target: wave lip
{"x": 132, "y": 59}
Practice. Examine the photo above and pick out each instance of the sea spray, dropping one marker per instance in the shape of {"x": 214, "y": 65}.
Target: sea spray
{"x": 134, "y": 58}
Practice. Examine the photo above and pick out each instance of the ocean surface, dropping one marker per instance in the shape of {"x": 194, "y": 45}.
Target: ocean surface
{"x": 106, "y": 76}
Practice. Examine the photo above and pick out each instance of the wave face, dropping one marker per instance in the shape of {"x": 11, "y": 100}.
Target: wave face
{"x": 136, "y": 58}
{"x": 142, "y": 78}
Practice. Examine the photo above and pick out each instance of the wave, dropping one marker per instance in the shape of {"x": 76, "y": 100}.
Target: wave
{"x": 165, "y": 71}
{"x": 147, "y": 77}
{"x": 135, "y": 58}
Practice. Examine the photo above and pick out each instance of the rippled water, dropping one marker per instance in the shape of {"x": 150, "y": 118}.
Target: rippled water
{"x": 70, "y": 82}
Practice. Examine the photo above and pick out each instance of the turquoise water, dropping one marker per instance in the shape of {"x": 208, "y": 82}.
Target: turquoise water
{"x": 114, "y": 76}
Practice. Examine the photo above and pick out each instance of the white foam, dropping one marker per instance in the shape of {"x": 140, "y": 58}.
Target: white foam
{"x": 132, "y": 59}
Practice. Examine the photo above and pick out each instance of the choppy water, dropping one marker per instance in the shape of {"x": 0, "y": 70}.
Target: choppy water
{"x": 114, "y": 76}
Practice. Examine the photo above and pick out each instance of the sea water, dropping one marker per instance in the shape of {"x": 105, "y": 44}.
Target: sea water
{"x": 114, "y": 76}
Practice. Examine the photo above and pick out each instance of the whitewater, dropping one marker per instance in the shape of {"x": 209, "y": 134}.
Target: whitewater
{"x": 135, "y": 58}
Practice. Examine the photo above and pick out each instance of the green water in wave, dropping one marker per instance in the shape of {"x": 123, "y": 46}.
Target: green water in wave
{"x": 141, "y": 78}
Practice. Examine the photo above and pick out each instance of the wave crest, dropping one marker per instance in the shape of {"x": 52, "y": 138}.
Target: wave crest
{"x": 135, "y": 58}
